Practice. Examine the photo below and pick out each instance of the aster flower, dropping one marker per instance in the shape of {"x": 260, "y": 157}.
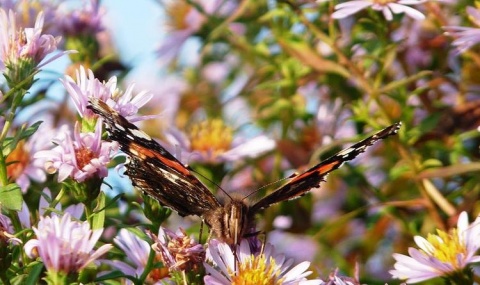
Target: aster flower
{"x": 184, "y": 21}
{"x": 441, "y": 255}
{"x": 465, "y": 37}
{"x": 27, "y": 11}
{"x": 22, "y": 50}
{"x": 64, "y": 245}
{"x": 213, "y": 141}
{"x": 85, "y": 156}
{"x": 86, "y": 86}
{"x": 388, "y": 8}
{"x": 23, "y": 166}
{"x": 245, "y": 267}
{"x": 84, "y": 21}
{"x": 137, "y": 252}
{"x": 179, "y": 252}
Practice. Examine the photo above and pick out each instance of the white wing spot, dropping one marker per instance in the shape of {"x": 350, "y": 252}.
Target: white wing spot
{"x": 140, "y": 134}
{"x": 345, "y": 152}
{"x": 120, "y": 127}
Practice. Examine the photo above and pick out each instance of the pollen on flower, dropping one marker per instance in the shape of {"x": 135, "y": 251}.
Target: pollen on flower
{"x": 179, "y": 248}
{"x": 447, "y": 246}
{"x": 17, "y": 161}
{"x": 211, "y": 136}
{"x": 83, "y": 156}
{"x": 256, "y": 270}
{"x": 157, "y": 274}
{"x": 178, "y": 251}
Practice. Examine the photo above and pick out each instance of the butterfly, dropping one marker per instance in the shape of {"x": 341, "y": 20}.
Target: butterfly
{"x": 160, "y": 175}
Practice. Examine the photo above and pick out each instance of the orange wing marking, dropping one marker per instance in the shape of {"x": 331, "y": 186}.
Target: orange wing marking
{"x": 321, "y": 170}
{"x": 143, "y": 153}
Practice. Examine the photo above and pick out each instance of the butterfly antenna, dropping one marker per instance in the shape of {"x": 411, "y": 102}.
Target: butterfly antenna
{"x": 211, "y": 181}
{"x": 268, "y": 185}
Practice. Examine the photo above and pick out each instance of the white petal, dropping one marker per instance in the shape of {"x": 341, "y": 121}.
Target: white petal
{"x": 423, "y": 244}
{"x": 397, "y": 8}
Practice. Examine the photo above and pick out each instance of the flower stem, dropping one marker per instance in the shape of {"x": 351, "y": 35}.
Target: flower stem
{"x": 3, "y": 168}
{"x": 56, "y": 278}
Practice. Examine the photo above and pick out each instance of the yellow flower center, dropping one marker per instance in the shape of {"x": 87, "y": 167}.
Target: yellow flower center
{"x": 211, "y": 137}
{"x": 177, "y": 12}
{"x": 383, "y": 2}
{"x": 447, "y": 246}
{"x": 17, "y": 160}
{"x": 256, "y": 270}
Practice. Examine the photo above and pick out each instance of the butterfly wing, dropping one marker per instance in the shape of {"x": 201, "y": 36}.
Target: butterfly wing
{"x": 153, "y": 169}
{"x": 302, "y": 183}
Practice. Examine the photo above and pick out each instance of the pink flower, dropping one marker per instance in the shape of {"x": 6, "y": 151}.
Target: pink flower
{"x": 22, "y": 49}
{"x": 465, "y": 37}
{"x": 85, "y": 20}
{"x": 440, "y": 255}
{"x": 27, "y": 11}
{"x": 24, "y": 166}
{"x": 137, "y": 252}
{"x": 85, "y": 156}
{"x": 388, "y": 8}
{"x": 65, "y": 245}
{"x": 86, "y": 86}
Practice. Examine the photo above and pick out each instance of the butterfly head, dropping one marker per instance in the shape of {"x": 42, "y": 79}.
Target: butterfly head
{"x": 230, "y": 222}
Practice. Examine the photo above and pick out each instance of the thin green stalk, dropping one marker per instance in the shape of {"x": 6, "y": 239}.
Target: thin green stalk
{"x": 56, "y": 200}
{"x": 148, "y": 266}
{"x": 3, "y": 168}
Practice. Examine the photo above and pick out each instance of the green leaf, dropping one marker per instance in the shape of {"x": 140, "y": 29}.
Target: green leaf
{"x": 11, "y": 197}
{"x": 99, "y": 212}
{"x": 429, "y": 163}
{"x": 398, "y": 171}
{"x": 34, "y": 273}
{"x": 114, "y": 275}
{"x": 23, "y": 133}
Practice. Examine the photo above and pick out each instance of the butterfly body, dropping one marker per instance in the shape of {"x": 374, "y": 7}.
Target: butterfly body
{"x": 160, "y": 175}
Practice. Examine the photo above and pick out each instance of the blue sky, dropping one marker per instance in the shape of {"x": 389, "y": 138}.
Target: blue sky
{"x": 137, "y": 31}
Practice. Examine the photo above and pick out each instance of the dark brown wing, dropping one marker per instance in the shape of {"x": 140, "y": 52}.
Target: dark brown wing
{"x": 153, "y": 169}
{"x": 302, "y": 183}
